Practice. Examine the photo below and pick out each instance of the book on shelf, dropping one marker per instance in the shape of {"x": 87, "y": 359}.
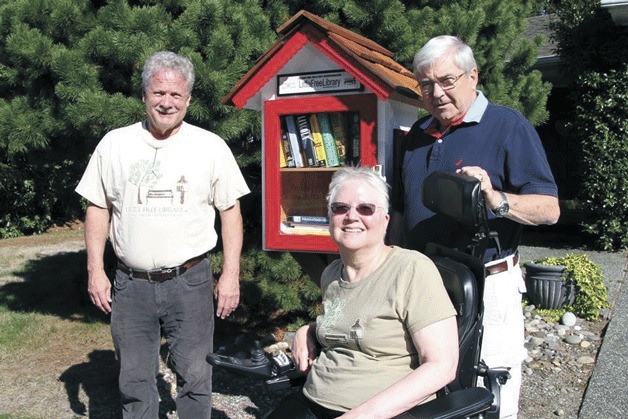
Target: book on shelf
{"x": 319, "y": 148}
{"x": 353, "y": 136}
{"x": 307, "y": 142}
{"x": 328, "y": 140}
{"x": 285, "y": 148}
{"x": 308, "y": 219}
{"x": 337, "y": 121}
{"x": 282, "y": 156}
{"x": 293, "y": 137}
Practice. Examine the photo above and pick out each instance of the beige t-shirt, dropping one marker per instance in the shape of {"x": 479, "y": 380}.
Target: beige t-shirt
{"x": 366, "y": 327}
{"x": 162, "y": 193}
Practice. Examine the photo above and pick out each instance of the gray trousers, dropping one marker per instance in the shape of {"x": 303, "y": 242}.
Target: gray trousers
{"x": 184, "y": 308}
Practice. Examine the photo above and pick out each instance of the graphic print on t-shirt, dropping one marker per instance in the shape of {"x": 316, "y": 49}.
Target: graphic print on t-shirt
{"x": 182, "y": 186}
{"x": 333, "y": 330}
{"x": 145, "y": 175}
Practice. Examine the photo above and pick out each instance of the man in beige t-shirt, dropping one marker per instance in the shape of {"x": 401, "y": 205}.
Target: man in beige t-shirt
{"x": 153, "y": 188}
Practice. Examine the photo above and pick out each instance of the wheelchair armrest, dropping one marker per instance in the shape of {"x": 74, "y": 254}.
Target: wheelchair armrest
{"x": 462, "y": 403}
{"x": 288, "y": 380}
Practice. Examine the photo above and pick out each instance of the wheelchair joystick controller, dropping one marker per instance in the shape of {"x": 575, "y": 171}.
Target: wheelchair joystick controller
{"x": 259, "y": 363}
{"x": 257, "y": 353}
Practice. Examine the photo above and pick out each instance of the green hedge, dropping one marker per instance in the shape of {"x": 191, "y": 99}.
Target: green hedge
{"x": 602, "y": 126}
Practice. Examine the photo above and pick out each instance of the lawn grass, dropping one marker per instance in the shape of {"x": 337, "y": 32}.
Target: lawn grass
{"x": 54, "y": 345}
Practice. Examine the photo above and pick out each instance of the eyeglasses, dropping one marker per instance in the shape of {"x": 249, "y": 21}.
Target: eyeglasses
{"x": 340, "y": 208}
{"x": 446, "y": 83}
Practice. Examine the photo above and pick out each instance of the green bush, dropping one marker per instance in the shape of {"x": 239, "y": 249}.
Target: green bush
{"x": 602, "y": 124}
{"x": 591, "y": 293}
{"x": 274, "y": 291}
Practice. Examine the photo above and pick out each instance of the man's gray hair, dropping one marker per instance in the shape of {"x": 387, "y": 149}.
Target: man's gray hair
{"x": 436, "y": 48}
{"x": 367, "y": 174}
{"x": 168, "y": 60}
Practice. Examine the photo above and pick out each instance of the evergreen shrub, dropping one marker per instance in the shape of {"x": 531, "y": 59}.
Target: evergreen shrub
{"x": 274, "y": 291}
{"x": 602, "y": 126}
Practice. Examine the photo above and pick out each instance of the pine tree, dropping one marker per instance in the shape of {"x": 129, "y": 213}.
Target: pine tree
{"x": 70, "y": 71}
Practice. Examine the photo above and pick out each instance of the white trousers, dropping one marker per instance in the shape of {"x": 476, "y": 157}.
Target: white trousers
{"x": 503, "y": 341}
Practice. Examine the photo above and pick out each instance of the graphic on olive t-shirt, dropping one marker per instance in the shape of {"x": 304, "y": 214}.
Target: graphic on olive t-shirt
{"x": 334, "y": 311}
{"x": 357, "y": 331}
{"x": 332, "y": 328}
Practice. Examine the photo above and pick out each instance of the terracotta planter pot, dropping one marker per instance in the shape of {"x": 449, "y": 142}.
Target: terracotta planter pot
{"x": 546, "y": 286}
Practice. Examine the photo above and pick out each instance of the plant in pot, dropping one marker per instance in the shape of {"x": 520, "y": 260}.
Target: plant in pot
{"x": 573, "y": 281}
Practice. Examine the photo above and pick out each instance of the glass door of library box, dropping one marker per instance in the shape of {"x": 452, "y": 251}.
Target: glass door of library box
{"x": 306, "y": 140}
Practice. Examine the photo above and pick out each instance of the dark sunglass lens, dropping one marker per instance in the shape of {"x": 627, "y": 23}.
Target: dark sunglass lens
{"x": 365, "y": 209}
{"x": 338, "y": 208}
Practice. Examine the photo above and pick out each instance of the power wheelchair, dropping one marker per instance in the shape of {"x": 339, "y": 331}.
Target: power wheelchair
{"x": 460, "y": 265}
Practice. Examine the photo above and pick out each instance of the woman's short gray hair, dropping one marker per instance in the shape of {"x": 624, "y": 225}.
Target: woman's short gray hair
{"x": 438, "y": 47}
{"x": 368, "y": 174}
{"x": 168, "y": 60}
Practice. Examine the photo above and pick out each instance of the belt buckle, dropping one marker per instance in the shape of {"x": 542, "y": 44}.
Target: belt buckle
{"x": 160, "y": 272}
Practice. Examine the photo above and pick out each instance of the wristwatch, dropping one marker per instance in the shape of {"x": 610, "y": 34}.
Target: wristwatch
{"x": 503, "y": 208}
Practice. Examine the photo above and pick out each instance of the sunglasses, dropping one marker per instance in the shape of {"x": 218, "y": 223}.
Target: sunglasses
{"x": 340, "y": 208}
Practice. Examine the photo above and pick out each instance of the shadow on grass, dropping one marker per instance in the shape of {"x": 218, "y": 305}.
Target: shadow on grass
{"x": 98, "y": 378}
{"x": 54, "y": 285}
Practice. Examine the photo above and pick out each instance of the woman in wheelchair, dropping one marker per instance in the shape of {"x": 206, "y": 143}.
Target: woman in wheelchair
{"x": 387, "y": 338}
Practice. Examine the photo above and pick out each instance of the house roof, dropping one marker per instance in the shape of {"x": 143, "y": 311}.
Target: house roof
{"x": 539, "y": 25}
{"x": 618, "y": 10}
{"x": 370, "y": 63}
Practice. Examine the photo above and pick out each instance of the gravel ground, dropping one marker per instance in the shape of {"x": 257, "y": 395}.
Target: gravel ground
{"x": 555, "y": 375}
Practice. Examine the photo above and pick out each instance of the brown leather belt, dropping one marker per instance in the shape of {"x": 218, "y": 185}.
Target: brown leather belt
{"x": 501, "y": 266}
{"x": 161, "y": 275}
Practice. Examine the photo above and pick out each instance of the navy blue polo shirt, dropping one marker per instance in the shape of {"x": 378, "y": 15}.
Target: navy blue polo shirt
{"x": 498, "y": 139}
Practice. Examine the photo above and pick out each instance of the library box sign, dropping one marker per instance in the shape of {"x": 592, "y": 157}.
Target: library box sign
{"x": 318, "y": 82}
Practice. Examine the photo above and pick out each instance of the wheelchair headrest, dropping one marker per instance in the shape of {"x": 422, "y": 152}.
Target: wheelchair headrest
{"x": 455, "y": 195}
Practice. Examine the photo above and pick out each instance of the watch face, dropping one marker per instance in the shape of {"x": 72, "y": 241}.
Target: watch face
{"x": 502, "y": 209}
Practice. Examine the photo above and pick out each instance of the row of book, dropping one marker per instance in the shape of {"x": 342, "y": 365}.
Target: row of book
{"x": 306, "y": 224}
{"x": 327, "y": 139}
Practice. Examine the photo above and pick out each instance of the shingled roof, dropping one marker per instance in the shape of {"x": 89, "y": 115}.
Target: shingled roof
{"x": 367, "y": 61}
{"x": 539, "y": 25}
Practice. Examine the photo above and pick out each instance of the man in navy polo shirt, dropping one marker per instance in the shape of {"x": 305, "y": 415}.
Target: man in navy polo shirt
{"x": 465, "y": 133}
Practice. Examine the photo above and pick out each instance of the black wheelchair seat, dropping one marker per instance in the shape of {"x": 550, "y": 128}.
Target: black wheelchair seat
{"x": 462, "y": 288}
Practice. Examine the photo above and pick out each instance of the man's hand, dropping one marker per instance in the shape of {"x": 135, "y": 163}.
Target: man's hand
{"x": 227, "y": 293}
{"x": 492, "y": 197}
{"x": 99, "y": 290}
{"x": 96, "y": 228}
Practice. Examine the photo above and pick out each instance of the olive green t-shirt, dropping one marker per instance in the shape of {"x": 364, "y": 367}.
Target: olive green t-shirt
{"x": 366, "y": 327}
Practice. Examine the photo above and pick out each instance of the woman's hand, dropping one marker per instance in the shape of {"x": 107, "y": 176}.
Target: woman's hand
{"x": 305, "y": 348}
